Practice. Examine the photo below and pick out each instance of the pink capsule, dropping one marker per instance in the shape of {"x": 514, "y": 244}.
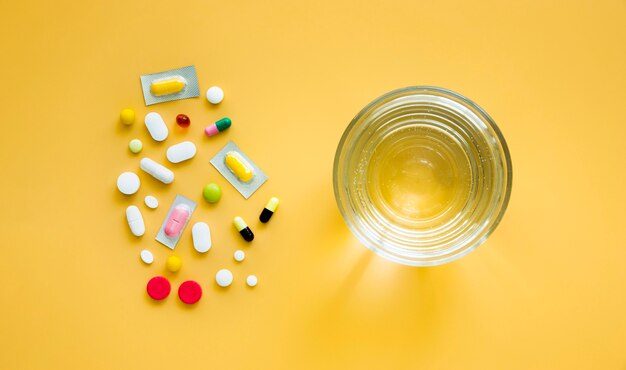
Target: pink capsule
{"x": 218, "y": 127}
{"x": 177, "y": 220}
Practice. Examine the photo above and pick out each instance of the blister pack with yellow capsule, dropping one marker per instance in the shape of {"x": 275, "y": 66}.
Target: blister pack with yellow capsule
{"x": 181, "y": 83}
{"x": 238, "y": 169}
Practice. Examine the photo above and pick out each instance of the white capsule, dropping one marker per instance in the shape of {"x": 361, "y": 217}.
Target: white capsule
{"x": 239, "y": 255}
{"x": 156, "y": 170}
{"x": 251, "y": 280}
{"x": 128, "y": 183}
{"x": 151, "y": 202}
{"x": 156, "y": 126}
{"x": 201, "y": 237}
{"x": 224, "y": 278}
{"x": 215, "y": 95}
{"x": 147, "y": 257}
{"x": 181, "y": 152}
{"x": 135, "y": 221}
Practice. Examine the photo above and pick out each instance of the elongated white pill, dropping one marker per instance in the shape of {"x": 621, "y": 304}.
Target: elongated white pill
{"x": 201, "y": 237}
{"x": 181, "y": 152}
{"x": 156, "y": 170}
{"x": 135, "y": 221}
{"x": 156, "y": 126}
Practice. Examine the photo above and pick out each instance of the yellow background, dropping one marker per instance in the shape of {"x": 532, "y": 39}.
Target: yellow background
{"x": 547, "y": 291}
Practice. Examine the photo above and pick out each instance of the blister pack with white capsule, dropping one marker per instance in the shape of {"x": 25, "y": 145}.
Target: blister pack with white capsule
{"x": 176, "y": 84}
{"x": 177, "y": 218}
{"x": 238, "y": 169}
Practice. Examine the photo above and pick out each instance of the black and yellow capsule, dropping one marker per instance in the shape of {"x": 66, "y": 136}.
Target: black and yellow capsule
{"x": 269, "y": 210}
{"x": 243, "y": 229}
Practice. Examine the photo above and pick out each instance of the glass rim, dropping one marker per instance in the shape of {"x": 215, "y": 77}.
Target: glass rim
{"x": 428, "y": 90}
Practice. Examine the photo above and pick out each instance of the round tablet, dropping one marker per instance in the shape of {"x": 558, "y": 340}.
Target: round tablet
{"x": 135, "y": 146}
{"x": 224, "y": 278}
{"x": 151, "y": 202}
{"x": 173, "y": 263}
{"x": 239, "y": 255}
{"x": 128, "y": 183}
{"x": 251, "y": 280}
{"x": 127, "y": 116}
{"x": 214, "y": 95}
{"x": 158, "y": 288}
{"x": 147, "y": 257}
{"x": 189, "y": 292}
{"x": 212, "y": 192}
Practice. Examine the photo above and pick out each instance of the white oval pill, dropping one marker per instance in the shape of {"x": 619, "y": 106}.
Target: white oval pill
{"x": 157, "y": 170}
{"x": 181, "y": 152}
{"x": 201, "y": 235}
{"x": 147, "y": 257}
{"x": 128, "y": 183}
{"x": 135, "y": 221}
{"x": 156, "y": 126}
{"x": 224, "y": 278}
{"x": 251, "y": 280}
{"x": 151, "y": 202}
{"x": 239, "y": 255}
{"x": 215, "y": 95}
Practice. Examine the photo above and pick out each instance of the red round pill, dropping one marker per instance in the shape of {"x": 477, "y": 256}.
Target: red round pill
{"x": 189, "y": 292}
{"x": 158, "y": 288}
{"x": 183, "y": 121}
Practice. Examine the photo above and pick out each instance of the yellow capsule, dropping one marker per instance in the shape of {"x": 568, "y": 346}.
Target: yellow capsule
{"x": 272, "y": 204}
{"x": 269, "y": 209}
{"x": 167, "y": 86}
{"x": 238, "y": 166}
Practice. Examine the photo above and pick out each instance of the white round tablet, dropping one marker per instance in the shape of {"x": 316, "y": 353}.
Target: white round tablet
{"x": 224, "y": 278}
{"x": 128, "y": 183}
{"x": 251, "y": 280}
{"x": 239, "y": 255}
{"x": 151, "y": 202}
{"x": 147, "y": 257}
{"x": 214, "y": 95}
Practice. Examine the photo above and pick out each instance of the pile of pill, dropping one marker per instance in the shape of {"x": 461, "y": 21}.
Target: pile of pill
{"x": 234, "y": 166}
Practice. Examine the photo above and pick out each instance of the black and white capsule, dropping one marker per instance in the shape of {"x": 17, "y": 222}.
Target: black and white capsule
{"x": 243, "y": 229}
{"x": 269, "y": 210}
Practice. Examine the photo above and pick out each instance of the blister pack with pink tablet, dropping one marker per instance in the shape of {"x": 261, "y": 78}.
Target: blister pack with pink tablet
{"x": 177, "y": 218}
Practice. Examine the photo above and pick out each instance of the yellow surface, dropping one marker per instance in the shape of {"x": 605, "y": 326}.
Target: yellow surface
{"x": 547, "y": 291}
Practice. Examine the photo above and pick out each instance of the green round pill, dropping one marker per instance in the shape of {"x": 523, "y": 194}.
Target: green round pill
{"x": 212, "y": 192}
{"x": 135, "y": 145}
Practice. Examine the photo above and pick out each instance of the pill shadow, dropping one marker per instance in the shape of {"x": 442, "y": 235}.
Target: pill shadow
{"x": 122, "y": 129}
{"x": 200, "y": 256}
{"x": 124, "y": 199}
{"x": 221, "y": 290}
{"x": 154, "y": 302}
{"x": 178, "y": 166}
{"x": 185, "y": 306}
{"x": 212, "y": 107}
